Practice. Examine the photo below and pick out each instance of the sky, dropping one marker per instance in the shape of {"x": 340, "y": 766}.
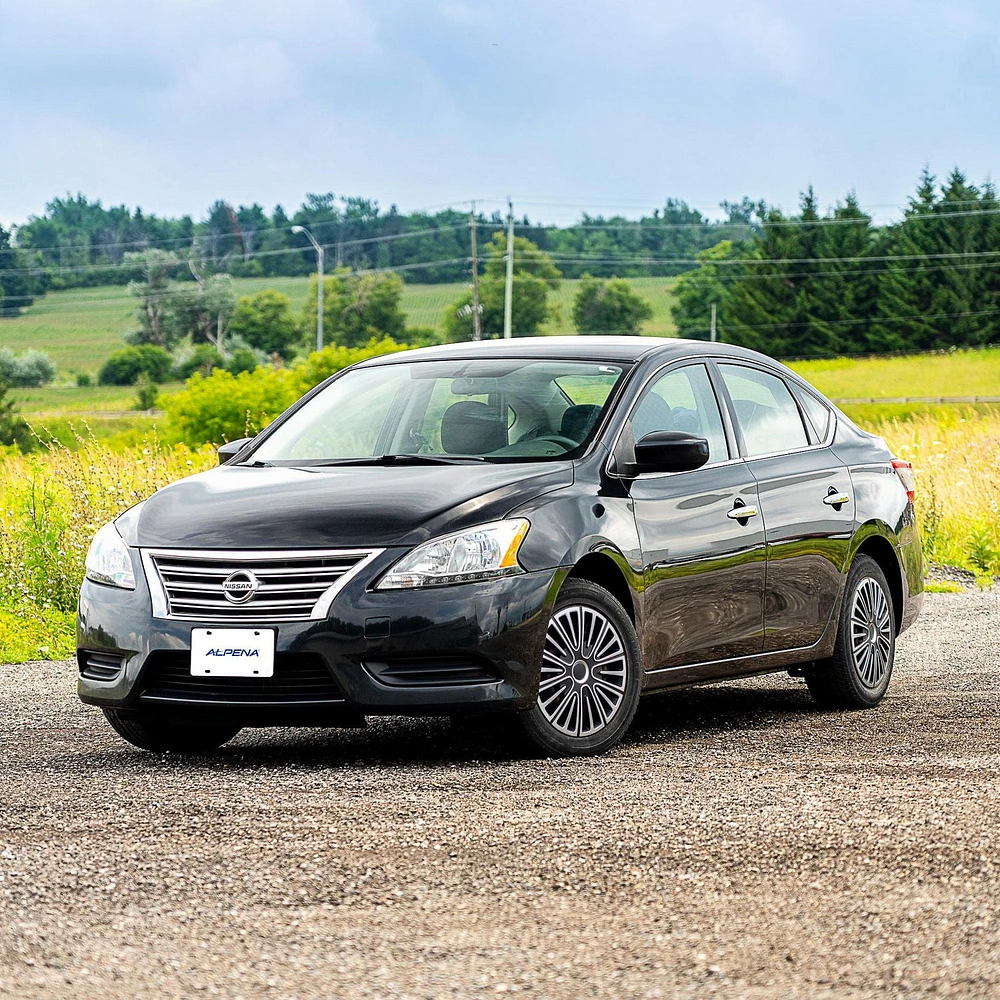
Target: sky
{"x": 599, "y": 105}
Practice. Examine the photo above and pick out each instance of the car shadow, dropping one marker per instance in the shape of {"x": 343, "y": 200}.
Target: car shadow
{"x": 400, "y": 742}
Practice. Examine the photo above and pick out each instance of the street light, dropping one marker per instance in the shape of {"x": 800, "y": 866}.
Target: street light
{"x": 319, "y": 301}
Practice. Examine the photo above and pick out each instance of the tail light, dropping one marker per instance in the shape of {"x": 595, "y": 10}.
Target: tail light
{"x": 905, "y": 472}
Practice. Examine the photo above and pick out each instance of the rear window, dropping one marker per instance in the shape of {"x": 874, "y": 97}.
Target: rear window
{"x": 765, "y": 410}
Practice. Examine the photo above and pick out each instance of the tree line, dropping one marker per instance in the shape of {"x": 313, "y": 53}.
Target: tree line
{"x": 813, "y": 284}
{"x": 79, "y": 242}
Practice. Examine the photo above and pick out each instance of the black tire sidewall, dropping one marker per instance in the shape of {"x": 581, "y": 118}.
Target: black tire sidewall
{"x": 863, "y": 568}
{"x": 538, "y": 728}
{"x": 156, "y": 735}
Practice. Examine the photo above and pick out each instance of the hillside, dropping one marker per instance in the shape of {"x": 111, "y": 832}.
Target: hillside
{"x": 81, "y": 327}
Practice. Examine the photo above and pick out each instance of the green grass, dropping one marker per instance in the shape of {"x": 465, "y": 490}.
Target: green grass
{"x": 34, "y": 633}
{"x": 954, "y": 373}
{"x": 79, "y": 328}
{"x": 81, "y": 400}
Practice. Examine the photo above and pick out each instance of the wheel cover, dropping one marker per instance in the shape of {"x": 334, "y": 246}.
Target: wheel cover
{"x": 584, "y": 671}
{"x": 871, "y": 633}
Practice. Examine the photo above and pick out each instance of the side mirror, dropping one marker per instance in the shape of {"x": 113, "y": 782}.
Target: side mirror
{"x": 231, "y": 449}
{"x": 670, "y": 451}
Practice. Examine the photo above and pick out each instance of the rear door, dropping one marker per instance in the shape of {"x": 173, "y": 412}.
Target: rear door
{"x": 704, "y": 566}
{"x": 806, "y": 500}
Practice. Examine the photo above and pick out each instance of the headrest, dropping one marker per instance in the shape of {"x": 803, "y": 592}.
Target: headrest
{"x": 578, "y": 421}
{"x": 472, "y": 428}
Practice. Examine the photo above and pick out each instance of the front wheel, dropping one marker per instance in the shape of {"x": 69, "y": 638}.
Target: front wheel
{"x": 149, "y": 733}
{"x": 590, "y": 677}
{"x": 858, "y": 673}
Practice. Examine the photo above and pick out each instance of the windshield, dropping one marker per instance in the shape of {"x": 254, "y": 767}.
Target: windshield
{"x": 482, "y": 410}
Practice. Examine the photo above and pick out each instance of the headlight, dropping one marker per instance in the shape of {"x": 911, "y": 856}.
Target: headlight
{"x": 481, "y": 553}
{"x": 108, "y": 560}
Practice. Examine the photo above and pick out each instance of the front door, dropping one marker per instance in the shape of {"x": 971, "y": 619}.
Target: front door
{"x": 704, "y": 563}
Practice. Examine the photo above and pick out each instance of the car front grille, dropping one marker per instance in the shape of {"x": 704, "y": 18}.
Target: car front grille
{"x": 286, "y": 586}
{"x": 299, "y": 678}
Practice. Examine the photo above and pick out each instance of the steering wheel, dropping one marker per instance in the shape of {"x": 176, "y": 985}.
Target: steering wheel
{"x": 568, "y": 443}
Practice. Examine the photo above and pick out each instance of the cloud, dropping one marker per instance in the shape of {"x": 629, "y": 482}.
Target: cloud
{"x": 173, "y": 103}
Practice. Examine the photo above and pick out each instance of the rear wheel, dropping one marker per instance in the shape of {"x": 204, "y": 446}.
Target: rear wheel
{"x": 858, "y": 673}
{"x": 590, "y": 676}
{"x": 149, "y": 733}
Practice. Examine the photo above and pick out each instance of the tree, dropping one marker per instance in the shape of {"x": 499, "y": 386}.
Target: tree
{"x": 265, "y": 321}
{"x": 154, "y": 293}
{"x": 13, "y": 428}
{"x": 205, "y": 311}
{"x": 18, "y": 286}
{"x": 697, "y": 291}
{"x": 939, "y": 291}
{"x": 534, "y": 275}
{"x": 124, "y": 366}
{"x": 609, "y": 306}
{"x": 357, "y": 307}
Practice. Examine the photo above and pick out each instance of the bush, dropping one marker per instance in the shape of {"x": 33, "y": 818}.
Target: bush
{"x": 223, "y": 407}
{"x": 203, "y": 359}
{"x": 145, "y": 398}
{"x": 422, "y": 336}
{"x": 83, "y": 380}
{"x": 125, "y": 366}
{"x": 242, "y": 360}
{"x": 30, "y": 370}
{"x": 321, "y": 365}
{"x": 265, "y": 321}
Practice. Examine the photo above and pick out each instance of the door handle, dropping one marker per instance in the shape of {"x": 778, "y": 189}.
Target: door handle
{"x": 742, "y": 513}
{"x": 835, "y": 499}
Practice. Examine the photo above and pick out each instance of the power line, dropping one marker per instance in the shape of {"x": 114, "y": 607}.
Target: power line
{"x": 853, "y": 322}
{"x": 239, "y": 234}
{"x": 183, "y": 291}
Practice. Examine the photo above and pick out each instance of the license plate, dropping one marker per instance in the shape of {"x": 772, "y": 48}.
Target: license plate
{"x": 232, "y": 652}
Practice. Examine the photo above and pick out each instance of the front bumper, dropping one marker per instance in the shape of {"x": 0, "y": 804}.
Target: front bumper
{"x": 426, "y": 651}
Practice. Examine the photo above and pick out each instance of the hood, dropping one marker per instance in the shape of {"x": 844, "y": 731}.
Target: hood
{"x": 240, "y": 507}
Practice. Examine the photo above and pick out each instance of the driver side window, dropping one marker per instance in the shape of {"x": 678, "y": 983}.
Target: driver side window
{"x": 682, "y": 400}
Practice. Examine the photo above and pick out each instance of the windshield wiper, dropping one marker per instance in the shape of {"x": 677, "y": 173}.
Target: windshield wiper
{"x": 257, "y": 465}
{"x": 407, "y": 459}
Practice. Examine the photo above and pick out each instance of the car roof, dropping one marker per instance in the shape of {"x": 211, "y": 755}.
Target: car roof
{"x": 581, "y": 348}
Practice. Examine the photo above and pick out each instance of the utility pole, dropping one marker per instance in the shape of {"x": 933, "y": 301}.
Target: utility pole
{"x": 712, "y": 335}
{"x": 477, "y": 332}
{"x": 508, "y": 295}
{"x": 319, "y": 294}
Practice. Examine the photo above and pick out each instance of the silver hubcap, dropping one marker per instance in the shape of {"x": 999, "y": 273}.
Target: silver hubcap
{"x": 582, "y": 685}
{"x": 871, "y": 633}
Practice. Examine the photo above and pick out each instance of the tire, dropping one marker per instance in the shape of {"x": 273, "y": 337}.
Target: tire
{"x": 858, "y": 673}
{"x": 148, "y": 733}
{"x": 590, "y": 675}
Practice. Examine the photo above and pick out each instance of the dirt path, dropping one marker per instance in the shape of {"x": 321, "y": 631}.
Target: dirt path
{"x": 741, "y": 843}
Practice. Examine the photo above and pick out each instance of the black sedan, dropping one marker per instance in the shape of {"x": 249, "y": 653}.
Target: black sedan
{"x": 549, "y": 527}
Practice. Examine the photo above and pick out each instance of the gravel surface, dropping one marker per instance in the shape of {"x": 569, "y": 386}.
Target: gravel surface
{"x": 741, "y": 843}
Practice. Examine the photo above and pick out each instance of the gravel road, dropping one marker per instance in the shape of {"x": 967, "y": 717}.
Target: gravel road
{"x": 741, "y": 843}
